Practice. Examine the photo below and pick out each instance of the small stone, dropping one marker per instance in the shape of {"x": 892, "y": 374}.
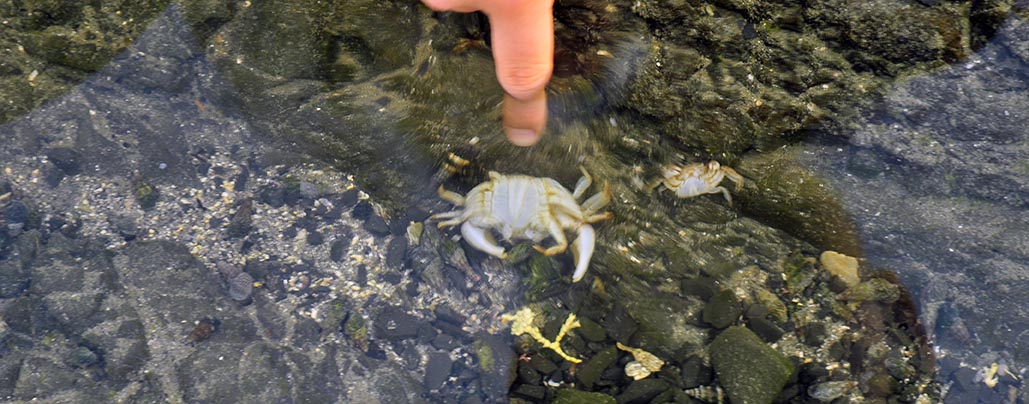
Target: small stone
{"x": 749, "y": 370}
{"x": 241, "y": 286}
{"x": 722, "y": 310}
{"x": 395, "y": 252}
{"x": 315, "y": 238}
{"x": 829, "y": 391}
{"x": 642, "y": 391}
{"x": 67, "y": 160}
{"x": 444, "y": 342}
{"x": 875, "y": 289}
{"x": 393, "y": 323}
{"x": 377, "y": 226}
{"x": 572, "y": 396}
{"x": 437, "y": 371}
{"x": 530, "y": 392}
{"x": 765, "y": 329}
{"x": 591, "y": 370}
{"x": 447, "y": 314}
{"x": 362, "y": 211}
{"x": 591, "y": 331}
{"x": 308, "y": 190}
{"x": 843, "y": 267}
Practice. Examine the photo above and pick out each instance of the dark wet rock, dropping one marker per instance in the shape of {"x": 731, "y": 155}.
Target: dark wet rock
{"x": 14, "y": 278}
{"x": 703, "y": 287}
{"x": 571, "y": 396}
{"x": 591, "y": 331}
{"x": 642, "y": 391}
{"x": 437, "y": 371}
{"x": 766, "y": 329}
{"x": 723, "y": 310}
{"x": 308, "y": 190}
{"x": 315, "y": 238}
{"x": 273, "y": 196}
{"x": 242, "y": 220}
{"x": 619, "y": 325}
{"x": 376, "y": 225}
{"x": 447, "y": 314}
{"x": 362, "y": 211}
{"x": 66, "y": 159}
{"x": 40, "y": 377}
{"x": 339, "y": 248}
{"x": 591, "y": 370}
{"x": 496, "y": 363}
{"x": 749, "y": 370}
{"x": 395, "y": 252}
{"x": 75, "y": 312}
{"x": 16, "y": 213}
{"x": 241, "y": 286}
{"x": 444, "y": 342}
{"x": 542, "y": 364}
{"x": 394, "y": 323}
{"x": 695, "y": 373}
{"x": 530, "y": 392}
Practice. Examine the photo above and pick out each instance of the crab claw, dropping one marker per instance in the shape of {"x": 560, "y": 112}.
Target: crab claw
{"x": 482, "y": 240}
{"x": 582, "y": 250}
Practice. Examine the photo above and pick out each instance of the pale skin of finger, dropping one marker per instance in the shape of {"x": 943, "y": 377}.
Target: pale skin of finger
{"x": 523, "y": 49}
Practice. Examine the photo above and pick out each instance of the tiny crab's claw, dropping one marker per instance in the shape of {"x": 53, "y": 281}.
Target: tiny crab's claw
{"x": 582, "y": 250}
{"x": 481, "y": 240}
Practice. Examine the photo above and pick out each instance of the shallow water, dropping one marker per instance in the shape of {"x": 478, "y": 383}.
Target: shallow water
{"x": 274, "y": 267}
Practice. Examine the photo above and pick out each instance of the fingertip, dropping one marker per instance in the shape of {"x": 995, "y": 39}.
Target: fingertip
{"x": 522, "y": 137}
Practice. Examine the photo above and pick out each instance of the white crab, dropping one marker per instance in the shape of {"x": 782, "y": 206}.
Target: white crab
{"x": 697, "y": 178}
{"x": 524, "y": 207}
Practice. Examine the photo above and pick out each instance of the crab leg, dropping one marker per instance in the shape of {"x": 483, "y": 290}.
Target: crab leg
{"x": 482, "y": 240}
{"x": 582, "y": 250}
{"x": 597, "y": 201}
{"x": 582, "y": 184}
{"x": 733, "y": 176}
{"x": 452, "y": 197}
{"x": 725, "y": 192}
{"x": 559, "y": 237}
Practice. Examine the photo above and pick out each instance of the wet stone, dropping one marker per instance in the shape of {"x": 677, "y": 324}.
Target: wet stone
{"x": 377, "y": 226}
{"x": 530, "y": 392}
{"x": 703, "y": 288}
{"x": 393, "y": 323}
{"x": 591, "y": 331}
{"x": 591, "y": 370}
{"x": 66, "y": 159}
{"x": 395, "y": 252}
{"x": 444, "y": 342}
{"x": 348, "y": 199}
{"x": 765, "y": 329}
{"x": 749, "y": 370}
{"x": 362, "y": 211}
{"x": 241, "y": 286}
{"x": 308, "y": 190}
{"x": 572, "y": 396}
{"x": 723, "y": 310}
{"x": 447, "y": 314}
{"x": 543, "y": 364}
{"x": 695, "y": 373}
{"x": 642, "y": 391}
{"x": 619, "y": 325}
{"x": 315, "y": 238}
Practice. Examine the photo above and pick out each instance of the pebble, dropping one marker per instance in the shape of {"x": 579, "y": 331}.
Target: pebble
{"x": 395, "y": 252}
{"x": 437, "y": 371}
{"x": 376, "y": 226}
{"x": 241, "y": 286}
{"x": 843, "y": 267}
{"x": 447, "y": 314}
{"x": 722, "y": 310}
{"x": 315, "y": 238}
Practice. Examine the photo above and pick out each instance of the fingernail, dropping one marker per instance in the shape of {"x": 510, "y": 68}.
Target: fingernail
{"x": 522, "y": 137}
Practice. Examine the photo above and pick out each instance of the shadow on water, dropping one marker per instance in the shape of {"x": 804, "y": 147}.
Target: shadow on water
{"x": 235, "y": 208}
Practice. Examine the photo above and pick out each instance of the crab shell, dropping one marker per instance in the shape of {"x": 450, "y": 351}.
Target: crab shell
{"x": 524, "y": 207}
{"x": 697, "y": 179}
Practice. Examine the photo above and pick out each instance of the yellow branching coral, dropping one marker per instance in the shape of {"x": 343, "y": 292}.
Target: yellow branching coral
{"x": 522, "y": 323}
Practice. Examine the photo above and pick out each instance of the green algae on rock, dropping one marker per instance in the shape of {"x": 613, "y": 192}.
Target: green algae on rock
{"x": 750, "y": 371}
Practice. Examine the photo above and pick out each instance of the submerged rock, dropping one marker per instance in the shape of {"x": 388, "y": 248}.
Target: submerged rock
{"x": 750, "y": 371}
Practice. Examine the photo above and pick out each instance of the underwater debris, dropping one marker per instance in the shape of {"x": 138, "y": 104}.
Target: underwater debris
{"x": 522, "y": 323}
{"x": 644, "y": 364}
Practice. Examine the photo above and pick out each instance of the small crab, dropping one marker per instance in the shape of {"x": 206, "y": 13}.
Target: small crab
{"x": 524, "y": 207}
{"x": 697, "y": 178}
